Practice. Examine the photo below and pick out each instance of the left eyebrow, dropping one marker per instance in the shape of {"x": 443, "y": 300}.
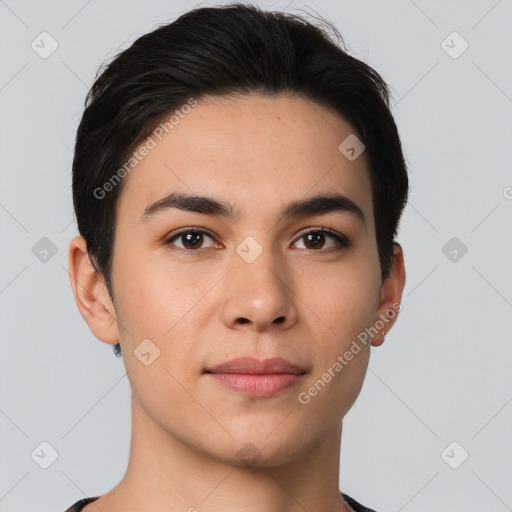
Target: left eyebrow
{"x": 321, "y": 204}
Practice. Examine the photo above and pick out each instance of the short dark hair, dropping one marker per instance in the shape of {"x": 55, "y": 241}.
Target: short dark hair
{"x": 227, "y": 51}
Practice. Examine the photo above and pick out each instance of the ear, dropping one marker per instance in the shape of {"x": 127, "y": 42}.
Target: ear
{"x": 391, "y": 294}
{"x": 91, "y": 294}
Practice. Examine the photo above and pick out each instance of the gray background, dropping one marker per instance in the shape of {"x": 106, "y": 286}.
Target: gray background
{"x": 443, "y": 373}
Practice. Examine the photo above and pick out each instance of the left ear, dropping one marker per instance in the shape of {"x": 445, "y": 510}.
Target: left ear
{"x": 391, "y": 294}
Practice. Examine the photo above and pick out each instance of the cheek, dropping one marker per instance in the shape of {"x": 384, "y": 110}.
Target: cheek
{"x": 341, "y": 358}
{"x": 346, "y": 302}
{"x": 153, "y": 296}
{"x": 159, "y": 303}
{"x": 155, "y": 329}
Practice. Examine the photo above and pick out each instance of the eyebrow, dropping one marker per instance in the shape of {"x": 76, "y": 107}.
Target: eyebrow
{"x": 321, "y": 204}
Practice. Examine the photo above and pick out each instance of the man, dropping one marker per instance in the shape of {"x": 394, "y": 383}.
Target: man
{"x": 238, "y": 182}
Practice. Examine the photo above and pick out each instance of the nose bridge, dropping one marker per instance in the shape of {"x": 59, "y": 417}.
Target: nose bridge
{"x": 259, "y": 259}
{"x": 258, "y": 291}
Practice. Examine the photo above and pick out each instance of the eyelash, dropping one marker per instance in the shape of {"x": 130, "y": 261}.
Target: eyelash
{"x": 343, "y": 241}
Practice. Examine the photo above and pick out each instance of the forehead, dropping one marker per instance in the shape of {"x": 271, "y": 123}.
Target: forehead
{"x": 254, "y": 151}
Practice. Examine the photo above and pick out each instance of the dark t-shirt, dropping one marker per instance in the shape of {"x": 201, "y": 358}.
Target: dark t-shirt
{"x": 79, "y": 505}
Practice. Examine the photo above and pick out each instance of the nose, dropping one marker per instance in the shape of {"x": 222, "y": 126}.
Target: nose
{"x": 259, "y": 296}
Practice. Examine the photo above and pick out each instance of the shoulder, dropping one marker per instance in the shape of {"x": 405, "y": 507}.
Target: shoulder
{"x": 355, "y": 504}
{"x": 80, "y": 504}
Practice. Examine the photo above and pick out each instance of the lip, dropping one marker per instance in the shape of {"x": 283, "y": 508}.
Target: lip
{"x": 253, "y": 366}
{"x": 256, "y": 378}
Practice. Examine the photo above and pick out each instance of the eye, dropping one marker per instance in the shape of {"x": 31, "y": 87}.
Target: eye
{"x": 192, "y": 240}
{"x": 315, "y": 238}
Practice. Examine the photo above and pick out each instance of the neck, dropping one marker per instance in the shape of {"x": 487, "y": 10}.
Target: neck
{"x": 164, "y": 473}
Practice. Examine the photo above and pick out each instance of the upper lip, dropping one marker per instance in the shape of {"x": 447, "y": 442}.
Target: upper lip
{"x": 250, "y": 365}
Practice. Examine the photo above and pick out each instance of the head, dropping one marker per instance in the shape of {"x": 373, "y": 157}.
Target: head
{"x": 257, "y": 111}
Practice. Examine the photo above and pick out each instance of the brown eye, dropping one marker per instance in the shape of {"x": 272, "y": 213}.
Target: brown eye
{"x": 191, "y": 239}
{"x": 315, "y": 239}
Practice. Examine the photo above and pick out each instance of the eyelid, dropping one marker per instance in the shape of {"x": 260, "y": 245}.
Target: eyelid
{"x": 195, "y": 229}
{"x": 325, "y": 229}
{"x": 342, "y": 240}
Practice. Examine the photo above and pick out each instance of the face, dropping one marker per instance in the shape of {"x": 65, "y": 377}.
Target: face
{"x": 195, "y": 288}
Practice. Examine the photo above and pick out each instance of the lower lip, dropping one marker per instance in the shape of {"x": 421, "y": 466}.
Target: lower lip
{"x": 257, "y": 385}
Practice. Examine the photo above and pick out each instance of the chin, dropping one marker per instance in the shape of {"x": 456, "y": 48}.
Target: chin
{"x": 259, "y": 452}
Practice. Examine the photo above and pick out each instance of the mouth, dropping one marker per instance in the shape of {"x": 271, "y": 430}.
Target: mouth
{"x": 252, "y": 377}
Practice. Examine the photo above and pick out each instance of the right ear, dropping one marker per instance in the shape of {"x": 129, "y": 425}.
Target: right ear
{"x": 91, "y": 294}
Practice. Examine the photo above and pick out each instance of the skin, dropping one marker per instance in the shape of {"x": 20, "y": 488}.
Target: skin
{"x": 259, "y": 153}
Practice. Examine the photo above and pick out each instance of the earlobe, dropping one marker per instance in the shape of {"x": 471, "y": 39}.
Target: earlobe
{"x": 391, "y": 295}
{"x": 91, "y": 294}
